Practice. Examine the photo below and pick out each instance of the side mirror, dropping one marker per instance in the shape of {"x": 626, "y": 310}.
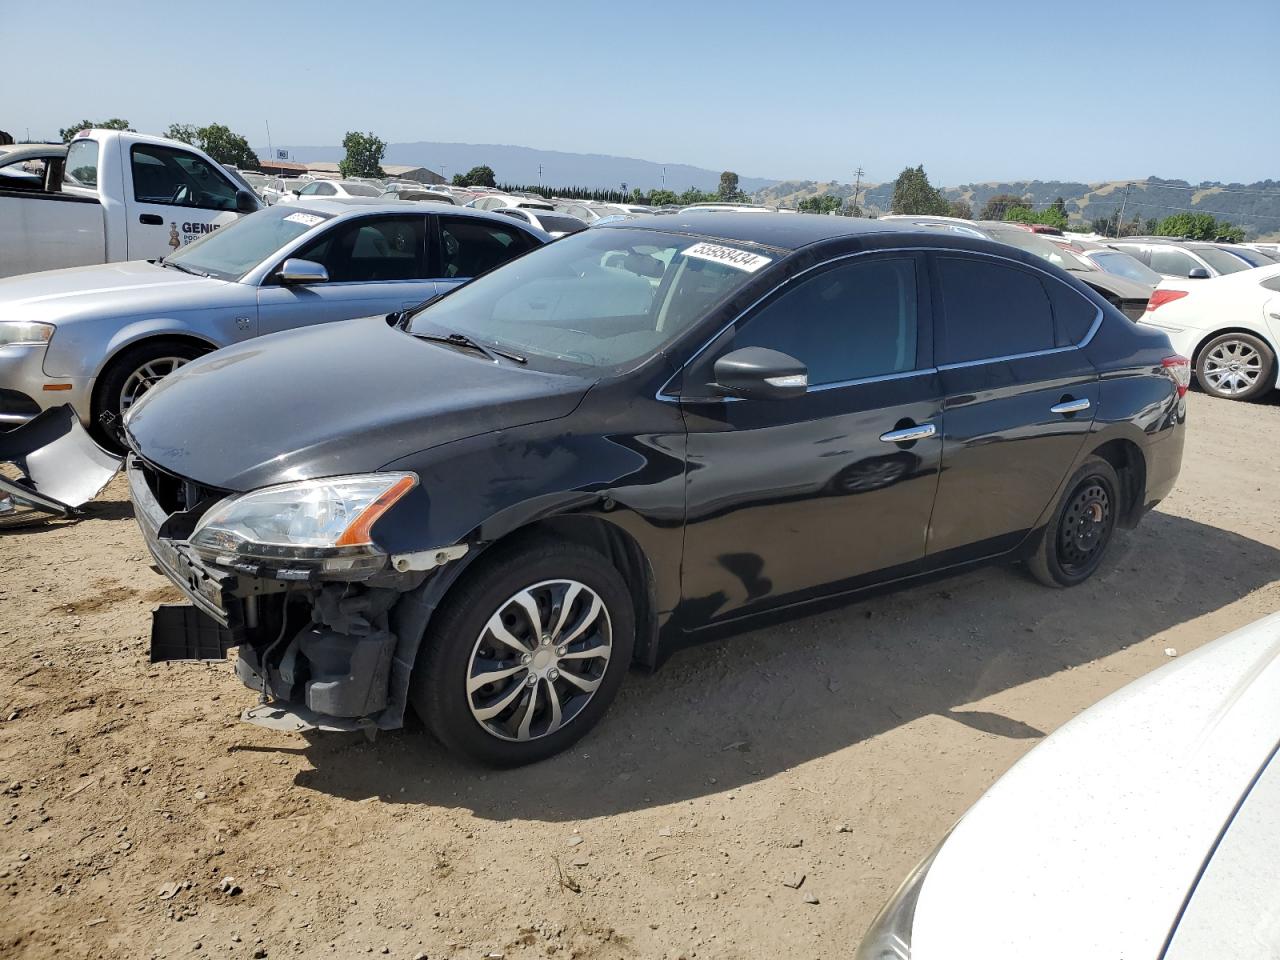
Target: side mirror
{"x": 294, "y": 272}
{"x": 757, "y": 373}
{"x": 246, "y": 202}
{"x": 1198, "y": 273}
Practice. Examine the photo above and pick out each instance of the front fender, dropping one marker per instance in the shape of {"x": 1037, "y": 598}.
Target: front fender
{"x": 83, "y": 348}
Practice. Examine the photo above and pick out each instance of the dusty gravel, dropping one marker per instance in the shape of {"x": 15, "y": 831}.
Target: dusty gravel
{"x": 838, "y": 748}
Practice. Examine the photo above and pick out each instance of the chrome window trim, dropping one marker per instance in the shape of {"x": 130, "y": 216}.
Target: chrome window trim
{"x": 664, "y": 395}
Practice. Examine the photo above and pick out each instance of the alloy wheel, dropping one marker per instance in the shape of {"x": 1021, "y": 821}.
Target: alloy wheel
{"x": 1232, "y": 367}
{"x": 539, "y": 660}
{"x": 145, "y": 377}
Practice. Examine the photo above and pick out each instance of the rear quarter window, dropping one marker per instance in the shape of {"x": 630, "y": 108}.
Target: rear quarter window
{"x": 1073, "y": 314}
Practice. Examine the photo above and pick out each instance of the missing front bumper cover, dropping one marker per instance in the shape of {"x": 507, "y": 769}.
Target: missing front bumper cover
{"x": 62, "y": 467}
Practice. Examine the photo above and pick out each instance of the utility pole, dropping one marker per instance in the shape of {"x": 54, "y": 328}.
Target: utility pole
{"x": 270, "y": 151}
{"x": 1123, "y": 203}
{"x": 539, "y": 174}
{"x": 856, "y": 187}
{"x": 664, "y": 178}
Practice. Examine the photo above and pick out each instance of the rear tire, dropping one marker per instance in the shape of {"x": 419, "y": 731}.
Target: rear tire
{"x": 553, "y": 679}
{"x": 128, "y": 377}
{"x": 1236, "y": 366}
{"x": 1081, "y": 528}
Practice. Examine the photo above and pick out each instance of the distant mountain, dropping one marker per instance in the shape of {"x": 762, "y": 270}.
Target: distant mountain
{"x": 519, "y": 165}
{"x": 1254, "y": 206}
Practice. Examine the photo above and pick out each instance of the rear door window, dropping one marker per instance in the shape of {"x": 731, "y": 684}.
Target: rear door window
{"x": 469, "y": 247}
{"x": 991, "y": 310}
{"x": 164, "y": 175}
{"x": 1171, "y": 262}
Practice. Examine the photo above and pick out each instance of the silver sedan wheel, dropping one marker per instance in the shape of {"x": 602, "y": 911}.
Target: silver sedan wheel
{"x": 145, "y": 377}
{"x": 1232, "y": 367}
{"x": 539, "y": 660}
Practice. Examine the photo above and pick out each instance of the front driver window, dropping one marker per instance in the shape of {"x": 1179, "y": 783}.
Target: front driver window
{"x": 177, "y": 178}
{"x": 391, "y": 248}
{"x": 848, "y": 322}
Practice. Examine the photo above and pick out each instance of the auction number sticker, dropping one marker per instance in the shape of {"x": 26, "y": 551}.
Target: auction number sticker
{"x": 306, "y": 219}
{"x": 729, "y": 256}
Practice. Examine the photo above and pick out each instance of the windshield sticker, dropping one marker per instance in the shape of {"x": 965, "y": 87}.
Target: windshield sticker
{"x": 729, "y": 256}
{"x": 306, "y": 219}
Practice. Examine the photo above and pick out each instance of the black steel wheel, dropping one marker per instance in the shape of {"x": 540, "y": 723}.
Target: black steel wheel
{"x": 1077, "y": 536}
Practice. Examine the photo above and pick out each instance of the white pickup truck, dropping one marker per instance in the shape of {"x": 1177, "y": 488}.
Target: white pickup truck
{"x": 122, "y": 196}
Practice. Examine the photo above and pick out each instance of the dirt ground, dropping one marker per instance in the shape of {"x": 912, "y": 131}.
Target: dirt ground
{"x": 839, "y": 747}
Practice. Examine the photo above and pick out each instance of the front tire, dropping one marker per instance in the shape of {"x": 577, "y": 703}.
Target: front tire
{"x": 1236, "y": 366}
{"x": 1081, "y": 528}
{"x": 526, "y": 654}
{"x": 131, "y": 374}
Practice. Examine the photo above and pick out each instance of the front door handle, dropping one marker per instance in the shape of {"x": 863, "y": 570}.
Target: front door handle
{"x": 1071, "y": 406}
{"x": 920, "y": 431}
{"x": 151, "y": 219}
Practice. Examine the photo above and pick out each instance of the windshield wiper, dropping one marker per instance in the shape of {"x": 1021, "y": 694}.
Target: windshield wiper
{"x": 462, "y": 340}
{"x": 178, "y": 266}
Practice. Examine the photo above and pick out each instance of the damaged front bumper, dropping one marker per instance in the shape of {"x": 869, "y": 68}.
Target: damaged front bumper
{"x": 60, "y": 468}
{"x": 322, "y": 655}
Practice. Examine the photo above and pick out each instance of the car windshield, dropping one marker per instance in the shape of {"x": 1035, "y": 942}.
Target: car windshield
{"x": 1251, "y": 257}
{"x": 599, "y": 298}
{"x": 1123, "y": 265}
{"x": 232, "y": 251}
{"x": 359, "y": 189}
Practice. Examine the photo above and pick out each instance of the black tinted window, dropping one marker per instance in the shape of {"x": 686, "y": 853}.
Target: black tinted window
{"x": 164, "y": 175}
{"x": 991, "y": 310}
{"x": 1073, "y": 314}
{"x": 848, "y": 322}
{"x": 387, "y": 249}
{"x": 470, "y": 247}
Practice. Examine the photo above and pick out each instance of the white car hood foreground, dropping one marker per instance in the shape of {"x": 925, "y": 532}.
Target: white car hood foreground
{"x": 1090, "y": 846}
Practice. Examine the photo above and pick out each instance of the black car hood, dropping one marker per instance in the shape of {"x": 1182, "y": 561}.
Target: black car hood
{"x": 333, "y": 399}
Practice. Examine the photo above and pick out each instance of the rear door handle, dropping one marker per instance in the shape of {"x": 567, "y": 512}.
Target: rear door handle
{"x": 151, "y": 219}
{"x": 1071, "y": 406}
{"x": 920, "y": 431}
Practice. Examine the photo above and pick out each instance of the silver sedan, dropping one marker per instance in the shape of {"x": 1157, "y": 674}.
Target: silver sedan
{"x": 98, "y": 337}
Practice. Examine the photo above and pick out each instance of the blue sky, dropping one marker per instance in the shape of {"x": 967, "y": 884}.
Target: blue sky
{"x": 796, "y": 90}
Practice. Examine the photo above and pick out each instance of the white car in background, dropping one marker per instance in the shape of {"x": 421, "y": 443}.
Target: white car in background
{"x": 1229, "y": 327}
{"x": 1147, "y": 828}
{"x": 549, "y": 221}
{"x": 501, "y": 201}
{"x": 332, "y": 190}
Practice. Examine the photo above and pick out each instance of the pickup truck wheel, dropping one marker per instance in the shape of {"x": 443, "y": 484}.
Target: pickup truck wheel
{"x": 1236, "y": 366}
{"x": 1078, "y": 534}
{"x": 525, "y": 655}
{"x": 129, "y": 376}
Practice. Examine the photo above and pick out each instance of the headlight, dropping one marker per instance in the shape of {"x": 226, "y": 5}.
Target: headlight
{"x": 311, "y": 525}
{"x": 889, "y": 936}
{"x": 24, "y": 331}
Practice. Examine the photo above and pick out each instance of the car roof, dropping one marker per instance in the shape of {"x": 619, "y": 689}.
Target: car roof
{"x": 354, "y": 206}
{"x": 32, "y": 151}
{"x": 764, "y": 228}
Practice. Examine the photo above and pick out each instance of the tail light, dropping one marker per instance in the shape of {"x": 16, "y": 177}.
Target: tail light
{"x": 1160, "y": 297}
{"x": 1179, "y": 369}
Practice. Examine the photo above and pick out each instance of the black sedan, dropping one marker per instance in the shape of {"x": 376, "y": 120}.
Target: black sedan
{"x": 630, "y": 439}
